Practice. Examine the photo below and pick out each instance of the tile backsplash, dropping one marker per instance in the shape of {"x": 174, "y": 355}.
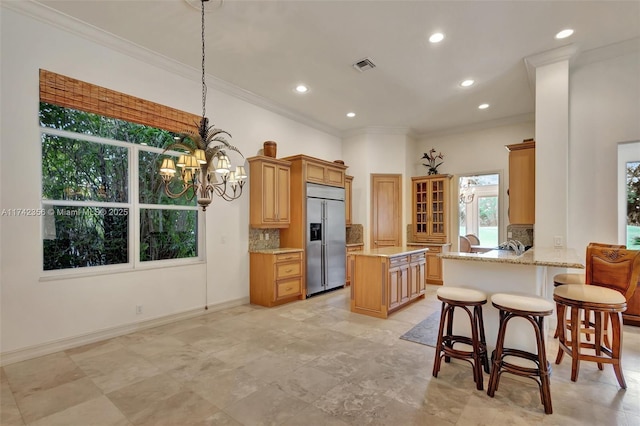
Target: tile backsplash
{"x": 522, "y": 233}
{"x": 262, "y": 239}
{"x": 354, "y": 234}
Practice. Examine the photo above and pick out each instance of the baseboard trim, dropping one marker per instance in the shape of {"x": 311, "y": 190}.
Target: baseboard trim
{"x": 48, "y": 348}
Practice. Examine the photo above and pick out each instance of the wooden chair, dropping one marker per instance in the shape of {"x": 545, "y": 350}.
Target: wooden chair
{"x": 465, "y": 245}
{"x": 612, "y": 277}
{"x": 473, "y": 239}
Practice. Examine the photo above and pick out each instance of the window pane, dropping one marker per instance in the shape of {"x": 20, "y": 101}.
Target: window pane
{"x": 76, "y": 237}
{"x": 150, "y": 182}
{"x": 168, "y": 234}
{"x": 83, "y": 171}
{"x": 488, "y": 220}
{"x": 633, "y": 205}
{"x": 72, "y": 120}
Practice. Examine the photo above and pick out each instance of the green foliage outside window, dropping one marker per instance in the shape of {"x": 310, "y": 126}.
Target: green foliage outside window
{"x": 94, "y": 174}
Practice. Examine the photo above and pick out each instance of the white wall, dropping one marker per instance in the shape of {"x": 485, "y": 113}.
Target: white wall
{"x": 604, "y": 110}
{"x": 375, "y": 151}
{"x": 36, "y": 312}
{"x": 474, "y": 152}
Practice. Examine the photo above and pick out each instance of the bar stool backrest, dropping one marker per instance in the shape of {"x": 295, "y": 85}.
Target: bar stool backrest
{"x": 614, "y": 268}
{"x": 465, "y": 245}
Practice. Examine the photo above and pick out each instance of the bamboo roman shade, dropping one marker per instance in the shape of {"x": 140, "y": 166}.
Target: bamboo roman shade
{"x": 71, "y": 93}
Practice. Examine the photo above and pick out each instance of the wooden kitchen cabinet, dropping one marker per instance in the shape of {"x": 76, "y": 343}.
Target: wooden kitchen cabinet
{"x": 320, "y": 171}
{"x": 522, "y": 182}
{"x": 433, "y": 267}
{"x": 632, "y": 315}
{"x": 351, "y": 249}
{"x": 382, "y": 284}
{"x": 275, "y": 277}
{"x": 430, "y": 206}
{"x": 348, "y": 183}
{"x": 269, "y": 193}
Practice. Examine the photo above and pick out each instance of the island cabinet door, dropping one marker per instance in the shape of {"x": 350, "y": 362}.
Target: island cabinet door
{"x": 398, "y": 281}
{"x": 417, "y": 277}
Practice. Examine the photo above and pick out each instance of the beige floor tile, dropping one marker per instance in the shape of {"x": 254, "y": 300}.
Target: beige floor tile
{"x": 98, "y": 411}
{"x": 271, "y": 406}
{"x": 9, "y": 412}
{"x": 161, "y": 400}
{"x": 306, "y": 382}
{"x": 226, "y": 387}
{"x": 41, "y": 373}
{"x": 39, "y": 404}
{"x": 93, "y": 349}
{"x": 117, "y": 369}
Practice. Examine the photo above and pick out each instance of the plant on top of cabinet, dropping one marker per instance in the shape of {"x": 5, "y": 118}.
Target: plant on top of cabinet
{"x": 435, "y": 161}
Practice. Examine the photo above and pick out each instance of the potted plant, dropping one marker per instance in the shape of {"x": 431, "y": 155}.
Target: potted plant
{"x": 434, "y": 161}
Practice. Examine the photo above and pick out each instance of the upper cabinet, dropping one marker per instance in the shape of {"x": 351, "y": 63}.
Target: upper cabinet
{"x": 430, "y": 196}
{"x": 348, "y": 182}
{"x": 321, "y": 171}
{"x": 522, "y": 182}
{"x": 269, "y": 196}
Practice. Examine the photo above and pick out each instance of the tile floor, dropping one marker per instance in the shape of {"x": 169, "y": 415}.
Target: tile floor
{"x": 307, "y": 363}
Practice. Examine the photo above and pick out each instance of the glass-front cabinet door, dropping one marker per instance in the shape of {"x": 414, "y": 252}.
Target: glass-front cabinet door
{"x": 430, "y": 208}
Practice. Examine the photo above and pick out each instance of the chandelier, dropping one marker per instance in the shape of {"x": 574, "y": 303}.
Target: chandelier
{"x": 204, "y": 155}
{"x": 467, "y": 194}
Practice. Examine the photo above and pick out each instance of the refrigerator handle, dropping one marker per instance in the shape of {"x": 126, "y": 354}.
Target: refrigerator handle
{"x": 323, "y": 252}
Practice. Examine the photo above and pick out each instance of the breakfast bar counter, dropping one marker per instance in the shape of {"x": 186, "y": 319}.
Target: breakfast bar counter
{"x": 502, "y": 271}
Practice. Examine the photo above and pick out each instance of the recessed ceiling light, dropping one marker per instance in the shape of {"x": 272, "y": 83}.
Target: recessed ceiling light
{"x": 483, "y": 106}
{"x": 436, "y": 37}
{"x": 351, "y": 114}
{"x": 564, "y": 33}
{"x": 467, "y": 83}
{"x": 301, "y": 88}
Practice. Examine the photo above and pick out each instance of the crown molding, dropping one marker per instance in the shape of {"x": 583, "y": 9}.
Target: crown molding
{"x": 609, "y": 51}
{"x": 379, "y": 130}
{"x": 499, "y": 122}
{"x": 89, "y": 32}
{"x": 564, "y": 53}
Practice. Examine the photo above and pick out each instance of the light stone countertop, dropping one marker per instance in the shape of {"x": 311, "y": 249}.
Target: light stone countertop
{"x": 543, "y": 256}
{"x": 415, "y": 244}
{"x": 280, "y": 250}
{"x": 389, "y": 251}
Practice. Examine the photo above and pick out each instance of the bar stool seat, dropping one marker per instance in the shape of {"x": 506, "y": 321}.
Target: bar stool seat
{"x": 516, "y": 361}
{"x": 571, "y": 279}
{"x": 471, "y": 349}
{"x": 563, "y": 279}
{"x": 606, "y": 304}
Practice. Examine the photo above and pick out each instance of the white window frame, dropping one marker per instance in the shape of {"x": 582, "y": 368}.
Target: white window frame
{"x": 133, "y": 263}
{"x": 628, "y": 152}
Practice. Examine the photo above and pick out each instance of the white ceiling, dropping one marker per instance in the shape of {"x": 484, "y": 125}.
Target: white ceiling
{"x": 268, "y": 47}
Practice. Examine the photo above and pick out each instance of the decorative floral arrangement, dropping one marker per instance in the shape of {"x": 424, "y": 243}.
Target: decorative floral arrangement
{"x": 434, "y": 161}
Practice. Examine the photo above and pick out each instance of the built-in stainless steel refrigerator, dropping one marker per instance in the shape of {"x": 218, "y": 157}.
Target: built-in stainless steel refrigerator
{"x": 326, "y": 238}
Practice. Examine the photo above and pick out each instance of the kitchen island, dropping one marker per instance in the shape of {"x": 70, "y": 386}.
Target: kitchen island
{"x": 386, "y": 279}
{"x": 502, "y": 271}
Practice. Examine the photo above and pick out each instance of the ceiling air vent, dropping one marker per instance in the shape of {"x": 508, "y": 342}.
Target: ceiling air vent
{"x": 364, "y": 65}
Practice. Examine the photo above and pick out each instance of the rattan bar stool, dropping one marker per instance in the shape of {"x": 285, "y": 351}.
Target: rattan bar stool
{"x": 471, "y": 349}
{"x": 570, "y": 279}
{"x": 516, "y": 361}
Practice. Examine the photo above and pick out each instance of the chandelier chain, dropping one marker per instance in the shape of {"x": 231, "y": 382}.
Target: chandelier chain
{"x": 204, "y": 85}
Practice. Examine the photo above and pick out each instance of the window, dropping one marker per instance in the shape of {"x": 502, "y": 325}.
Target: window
{"x": 478, "y": 207}
{"x": 103, "y": 199}
{"x": 629, "y": 194}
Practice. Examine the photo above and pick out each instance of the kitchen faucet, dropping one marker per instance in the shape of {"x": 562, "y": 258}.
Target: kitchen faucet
{"x": 514, "y": 245}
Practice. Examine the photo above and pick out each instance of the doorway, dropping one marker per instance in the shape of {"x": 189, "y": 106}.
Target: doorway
{"x": 479, "y": 207}
{"x": 386, "y": 205}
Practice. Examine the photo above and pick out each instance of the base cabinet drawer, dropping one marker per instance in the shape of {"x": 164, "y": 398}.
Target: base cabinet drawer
{"x": 287, "y": 288}
{"x": 275, "y": 278}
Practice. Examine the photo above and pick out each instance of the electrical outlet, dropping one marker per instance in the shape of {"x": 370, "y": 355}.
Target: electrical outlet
{"x": 509, "y": 234}
{"x": 266, "y": 236}
{"x": 138, "y": 309}
{"x": 261, "y": 236}
{"x": 557, "y": 241}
